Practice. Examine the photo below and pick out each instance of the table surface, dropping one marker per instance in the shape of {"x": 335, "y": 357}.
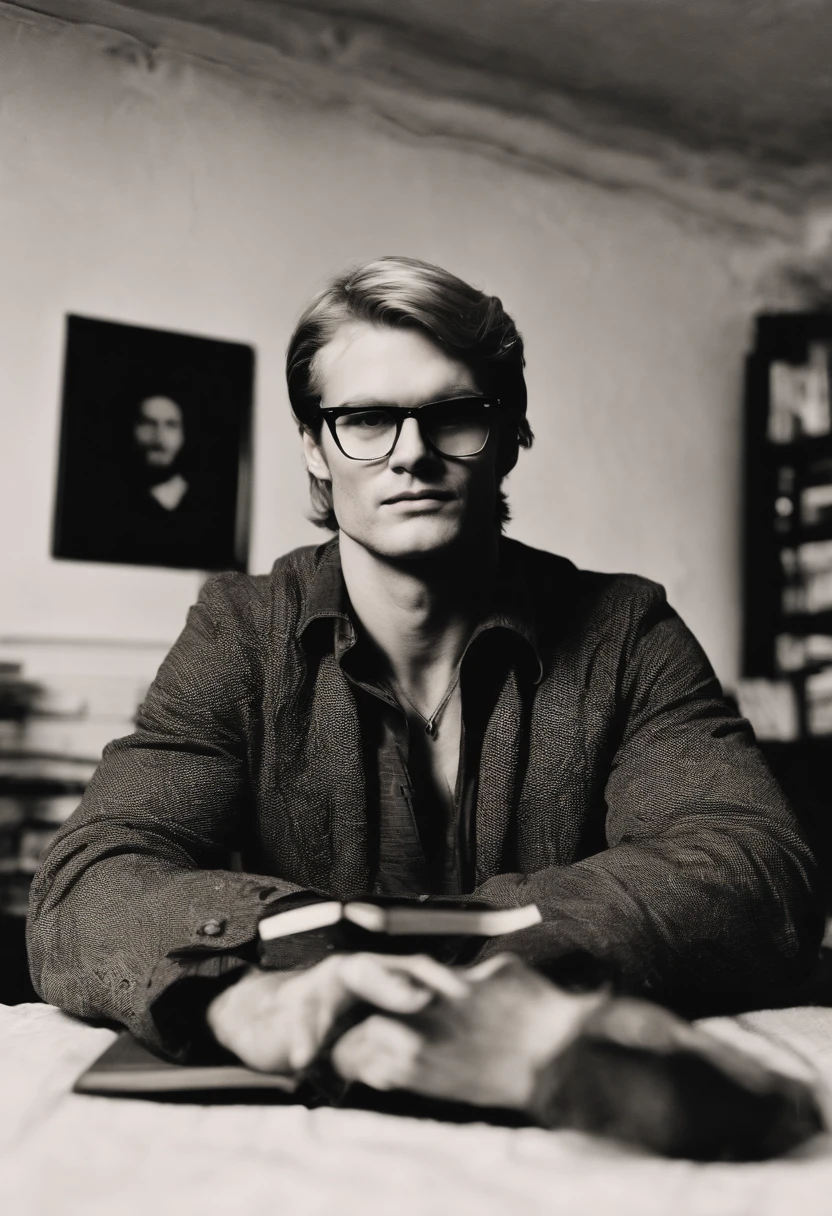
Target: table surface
{"x": 62, "y": 1153}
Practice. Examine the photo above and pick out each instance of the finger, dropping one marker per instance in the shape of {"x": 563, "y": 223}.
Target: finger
{"x": 330, "y": 988}
{"x": 304, "y": 1031}
{"x": 327, "y": 998}
{"x": 490, "y": 966}
{"x": 368, "y": 978}
{"x": 296, "y": 1017}
{"x": 304, "y": 1047}
{"x": 400, "y": 985}
{"x": 441, "y": 980}
{"x": 380, "y": 1053}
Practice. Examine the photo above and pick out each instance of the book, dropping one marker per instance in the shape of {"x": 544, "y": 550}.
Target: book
{"x": 47, "y": 773}
{"x": 409, "y": 918}
{"x": 128, "y": 1067}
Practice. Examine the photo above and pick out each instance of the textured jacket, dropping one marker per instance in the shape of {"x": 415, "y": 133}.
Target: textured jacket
{"x": 617, "y": 790}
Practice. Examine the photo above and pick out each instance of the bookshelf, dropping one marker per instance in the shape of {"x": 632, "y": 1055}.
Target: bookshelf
{"x": 61, "y": 702}
{"x": 788, "y": 525}
{"x": 787, "y": 635}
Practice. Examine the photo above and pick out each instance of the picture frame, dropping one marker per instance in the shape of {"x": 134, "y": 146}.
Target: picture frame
{"x": 154, "y": 461}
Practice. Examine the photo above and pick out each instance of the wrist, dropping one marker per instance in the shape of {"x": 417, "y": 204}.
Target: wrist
{"x": 562, "y": 1018}
{"x": 218, "y": 1007}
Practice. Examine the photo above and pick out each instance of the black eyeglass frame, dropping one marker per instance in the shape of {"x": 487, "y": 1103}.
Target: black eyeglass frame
{"x": 399, "y": 413}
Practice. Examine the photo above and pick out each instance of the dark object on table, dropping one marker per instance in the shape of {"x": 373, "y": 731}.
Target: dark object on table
{"x": 638, "y": 1074}
{"x": 129, "y": 1068}
{"x": 155, "y": 438}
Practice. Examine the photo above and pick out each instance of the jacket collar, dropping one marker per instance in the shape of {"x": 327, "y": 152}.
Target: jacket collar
{"x": 512, "y": 608}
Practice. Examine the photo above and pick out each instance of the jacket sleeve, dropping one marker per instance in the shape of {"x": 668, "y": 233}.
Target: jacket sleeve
{"x": 134, "y": 895}
{"x": 708, "y": 884}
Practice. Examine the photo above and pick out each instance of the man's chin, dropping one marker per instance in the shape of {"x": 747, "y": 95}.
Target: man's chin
{"x": 412, "y": 540}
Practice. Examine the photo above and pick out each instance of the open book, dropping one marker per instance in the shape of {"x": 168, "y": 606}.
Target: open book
{"x": 406, "y": 919}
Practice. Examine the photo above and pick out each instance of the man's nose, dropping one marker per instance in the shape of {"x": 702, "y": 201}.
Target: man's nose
{"x": 410, "y": 446}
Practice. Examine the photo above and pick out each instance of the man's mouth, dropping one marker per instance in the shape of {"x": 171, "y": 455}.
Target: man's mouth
{"x": 421, "y": 496}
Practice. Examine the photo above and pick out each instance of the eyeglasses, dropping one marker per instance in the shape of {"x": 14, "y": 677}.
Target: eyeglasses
{"x": 457, "y": 427}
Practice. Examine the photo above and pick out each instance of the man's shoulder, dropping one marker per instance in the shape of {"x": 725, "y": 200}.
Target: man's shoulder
{"x": 558, "y": 583}
{"x": 273, "y": 601}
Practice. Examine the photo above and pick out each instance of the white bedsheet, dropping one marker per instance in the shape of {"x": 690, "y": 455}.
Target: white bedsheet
{"x": 62, "y": 1154}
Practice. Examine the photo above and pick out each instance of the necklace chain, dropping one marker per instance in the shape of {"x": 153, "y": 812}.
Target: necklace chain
{"x": 430, "y": 722}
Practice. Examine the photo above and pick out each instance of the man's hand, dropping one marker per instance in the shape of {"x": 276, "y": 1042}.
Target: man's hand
{"x": 482, "y": 1045}
{"x": 275, "y": 1021}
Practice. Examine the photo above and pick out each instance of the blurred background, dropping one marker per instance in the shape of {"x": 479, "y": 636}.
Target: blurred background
{"x": 645, "y": 183}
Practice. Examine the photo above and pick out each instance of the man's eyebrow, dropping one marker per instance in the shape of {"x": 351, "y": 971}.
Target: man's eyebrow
{"x": 448, "y": 394}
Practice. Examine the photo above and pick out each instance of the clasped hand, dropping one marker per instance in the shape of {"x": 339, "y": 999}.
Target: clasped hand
{"x": 475, "y": 1034}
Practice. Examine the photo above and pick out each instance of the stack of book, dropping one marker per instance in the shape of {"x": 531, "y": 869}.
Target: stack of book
{"x": 52, "y": 733}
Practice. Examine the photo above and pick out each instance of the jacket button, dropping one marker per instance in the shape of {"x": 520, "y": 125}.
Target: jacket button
{"x": 211, "y": 928}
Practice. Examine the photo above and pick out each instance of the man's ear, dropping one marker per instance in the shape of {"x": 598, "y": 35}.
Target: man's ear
{"x": 508, "y": 449}
{"x": 507, "y": 455}
{"x": 314, "y": 456}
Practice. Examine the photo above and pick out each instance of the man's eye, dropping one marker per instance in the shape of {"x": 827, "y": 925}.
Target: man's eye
{"x": 366, "y": 421}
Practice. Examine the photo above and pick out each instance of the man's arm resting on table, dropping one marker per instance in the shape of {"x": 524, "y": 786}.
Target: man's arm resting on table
{"x": 132, "y": 898}
{"x": 708, "y": 883}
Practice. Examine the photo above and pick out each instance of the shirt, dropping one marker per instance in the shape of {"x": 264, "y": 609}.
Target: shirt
{"x": 616, "y": 790}
{"x": 414, "y": 848}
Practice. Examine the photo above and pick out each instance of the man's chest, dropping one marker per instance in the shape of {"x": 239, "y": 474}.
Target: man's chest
{"x": 538, "y": 758}
{"x": 437, "y": 754}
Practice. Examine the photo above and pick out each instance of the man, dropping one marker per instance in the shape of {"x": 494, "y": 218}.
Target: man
{"x": 421, "y": 707}
{"x": 160, "y": 512}
{"x": 159, "y": 435}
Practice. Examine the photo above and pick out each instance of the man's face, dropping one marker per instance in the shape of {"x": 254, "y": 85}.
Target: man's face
{"x": 159, "y": 432}
{"x": 367, "y": 364}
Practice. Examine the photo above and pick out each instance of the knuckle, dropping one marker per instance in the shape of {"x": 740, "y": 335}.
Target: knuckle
{"x": 372, "y": 1028}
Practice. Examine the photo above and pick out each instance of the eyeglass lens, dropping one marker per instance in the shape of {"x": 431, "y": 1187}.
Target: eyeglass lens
{"x": 454, "y": 428}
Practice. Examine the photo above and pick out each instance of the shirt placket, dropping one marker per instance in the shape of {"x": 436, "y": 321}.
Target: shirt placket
{"x": 402, "y": 862}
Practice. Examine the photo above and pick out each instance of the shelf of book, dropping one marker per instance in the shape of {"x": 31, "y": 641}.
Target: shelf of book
{"x": 53, "y": 729}
{"x": 787, "y": 634}
{"x": 787, "y": 619}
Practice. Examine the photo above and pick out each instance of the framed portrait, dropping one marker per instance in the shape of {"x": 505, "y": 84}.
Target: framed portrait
{"x": 155, "y": 449}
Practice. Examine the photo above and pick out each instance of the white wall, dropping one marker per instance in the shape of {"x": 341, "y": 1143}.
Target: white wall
{"x": 186, "y": 199}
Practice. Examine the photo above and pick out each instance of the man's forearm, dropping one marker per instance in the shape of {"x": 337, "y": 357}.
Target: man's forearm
{"x": 696, "y": 911}
{"x": 112, "y": 938}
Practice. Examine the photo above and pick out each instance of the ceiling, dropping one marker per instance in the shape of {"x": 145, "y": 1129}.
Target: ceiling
{"x": 743, "y": 87}
{"x": 745, "y": 75}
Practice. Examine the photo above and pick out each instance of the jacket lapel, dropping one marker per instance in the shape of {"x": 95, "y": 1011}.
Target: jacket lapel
{"x": 503, "y": 752}
{"x": 332, "y": 817}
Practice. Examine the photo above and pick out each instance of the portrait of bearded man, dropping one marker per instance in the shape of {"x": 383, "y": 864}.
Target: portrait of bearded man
{"x": 154, "y": 448}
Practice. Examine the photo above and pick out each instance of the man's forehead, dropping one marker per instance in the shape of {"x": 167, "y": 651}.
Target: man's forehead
{"x": 160, "y": 407}
{"x": 383, "y": 363}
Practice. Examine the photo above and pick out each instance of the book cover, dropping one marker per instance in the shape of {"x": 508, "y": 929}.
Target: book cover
{"x": 128, "y": 1067}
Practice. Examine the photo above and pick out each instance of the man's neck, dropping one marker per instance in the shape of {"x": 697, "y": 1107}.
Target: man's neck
{"x": 170, "y": 493}
{"x": 420, "y": 613}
